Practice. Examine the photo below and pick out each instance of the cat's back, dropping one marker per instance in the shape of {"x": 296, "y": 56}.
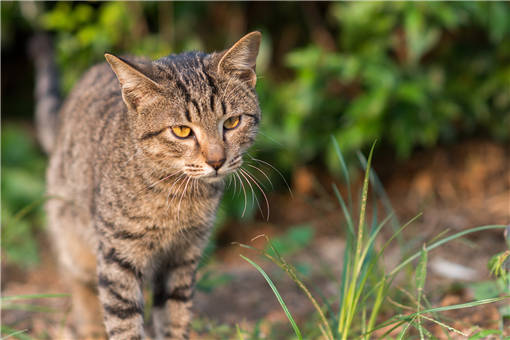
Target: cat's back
{"x": 92, "y": 111}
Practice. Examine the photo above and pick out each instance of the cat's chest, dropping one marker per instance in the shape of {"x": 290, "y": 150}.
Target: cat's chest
{"x": 148, "y": 225}
{"x": 152, "y": 218}
{"x": 162, "y": 215}
{"x": 178, "y": 209}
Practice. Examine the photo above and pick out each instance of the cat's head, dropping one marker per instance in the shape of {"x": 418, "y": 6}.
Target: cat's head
{"x": 193, "y": 113}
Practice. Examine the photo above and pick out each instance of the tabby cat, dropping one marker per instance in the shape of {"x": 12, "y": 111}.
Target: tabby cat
{"x": 136, "y": 173}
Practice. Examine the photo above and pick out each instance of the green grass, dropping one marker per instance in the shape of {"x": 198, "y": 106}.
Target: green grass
{"x": 366, "y": 287}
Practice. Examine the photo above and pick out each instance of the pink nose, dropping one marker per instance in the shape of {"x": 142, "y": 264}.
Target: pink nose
{"x": 216, "y": 163}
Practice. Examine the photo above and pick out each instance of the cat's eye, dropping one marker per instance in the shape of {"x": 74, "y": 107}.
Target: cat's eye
{"x": 181, "y": 131}
{"x": 232, "y": 123}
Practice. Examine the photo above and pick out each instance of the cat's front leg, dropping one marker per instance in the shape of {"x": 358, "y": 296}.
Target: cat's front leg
{"x": 173, "y": 287}
{"x": 120, "y": 294}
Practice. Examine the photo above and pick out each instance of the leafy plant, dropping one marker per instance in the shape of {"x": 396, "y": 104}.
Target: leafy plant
{"x": 22, "y": 195}
{"x": 408, "y": 74}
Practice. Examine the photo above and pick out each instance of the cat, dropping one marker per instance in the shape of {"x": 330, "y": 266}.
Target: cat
{"x": 137, "y": 166}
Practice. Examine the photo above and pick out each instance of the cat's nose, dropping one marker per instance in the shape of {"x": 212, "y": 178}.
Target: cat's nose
{"x": 216, "y": 163}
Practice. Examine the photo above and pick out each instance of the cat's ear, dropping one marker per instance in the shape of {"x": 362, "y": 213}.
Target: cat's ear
{"x": 241, "y": 58}
{"x": 136, "y": 86}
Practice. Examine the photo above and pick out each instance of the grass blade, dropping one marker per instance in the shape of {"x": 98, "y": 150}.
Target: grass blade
{"x": 345, "y": 274}
{"x": 421, "y": 274}
{"x": 443, "y": 241}
{"x": 353, "y": 292}
{"x": 364, "y": 198}
{"x": 404, "y": 330}
{"x": 462, "y": 305}
{"x": 379, "y": 189}
{"x": 344, "y": 170}
{"x": 32, "y": 296}
{"x": 29, "y": 308}
{"x": 346, "y": 212}
{"x": 280, "y": 261}
{"x": 238, "y": 332}
{"x": 10, "y": 333}
{"x": 278, "y": 296}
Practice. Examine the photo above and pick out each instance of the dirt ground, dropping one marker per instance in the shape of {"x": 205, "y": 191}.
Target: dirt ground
{"x": 456, "y": 188}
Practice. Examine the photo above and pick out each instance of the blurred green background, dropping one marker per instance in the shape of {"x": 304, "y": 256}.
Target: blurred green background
{"x": 410, "y": 74}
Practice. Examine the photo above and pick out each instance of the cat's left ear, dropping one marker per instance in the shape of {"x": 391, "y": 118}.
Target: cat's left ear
{"x": 241, "y": 58}
{"x": 135, "y": 85}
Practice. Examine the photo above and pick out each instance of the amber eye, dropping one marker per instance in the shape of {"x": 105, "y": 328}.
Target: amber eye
{"x": 232, "y": 122}
{"x": 181, "y": 131}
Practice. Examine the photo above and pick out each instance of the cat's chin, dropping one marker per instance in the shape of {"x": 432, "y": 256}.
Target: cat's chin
{"x": 211, "y": 179}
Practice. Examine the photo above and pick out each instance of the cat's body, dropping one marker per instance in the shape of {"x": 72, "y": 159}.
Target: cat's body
{"x": 134, "y": 200}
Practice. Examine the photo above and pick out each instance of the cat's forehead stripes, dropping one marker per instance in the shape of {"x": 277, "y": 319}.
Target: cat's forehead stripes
{"x": 187, "y": 115}
{"x": 189, "y": 74}
{"x": 200, "y": 93}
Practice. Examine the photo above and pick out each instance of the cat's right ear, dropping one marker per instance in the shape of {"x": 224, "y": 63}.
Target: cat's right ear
{"x": 136, "y": 86}
{"x": 241, "y": 58}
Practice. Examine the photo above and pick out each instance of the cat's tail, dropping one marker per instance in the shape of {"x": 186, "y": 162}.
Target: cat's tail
{"x": 47, "y": 90}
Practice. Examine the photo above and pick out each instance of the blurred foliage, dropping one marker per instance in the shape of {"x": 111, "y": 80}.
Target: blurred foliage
{"x": 22, "y": 192}
{"x": 295, "y": 239}
{"x": 410, "y": 74}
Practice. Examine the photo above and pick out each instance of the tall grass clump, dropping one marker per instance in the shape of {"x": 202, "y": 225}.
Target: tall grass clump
{"x": 366, "y": 287}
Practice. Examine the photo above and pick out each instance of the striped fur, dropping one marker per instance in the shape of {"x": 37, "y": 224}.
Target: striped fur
{"x": 134, "y": 202}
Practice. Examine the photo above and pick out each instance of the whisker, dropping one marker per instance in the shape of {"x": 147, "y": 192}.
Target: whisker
{"x": 195, "y": 184}
{"x": 182, "y": 195}
{"x": 263, "y": 173}
{"x": 183, "y": 175}
{"x": 275, "y": 169}
{"x": 229, "y": 181}
{"x": 250, "y": 175}
{"x": 182, "y": 178}
{"x": 254, "y": 196}
{"x": 253, "y": 193}
{"x": 235, "y": 184}
{"x": 241, "y": 184}
{"x": 271, "y": 139}
{"x": 158, "y": 181}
